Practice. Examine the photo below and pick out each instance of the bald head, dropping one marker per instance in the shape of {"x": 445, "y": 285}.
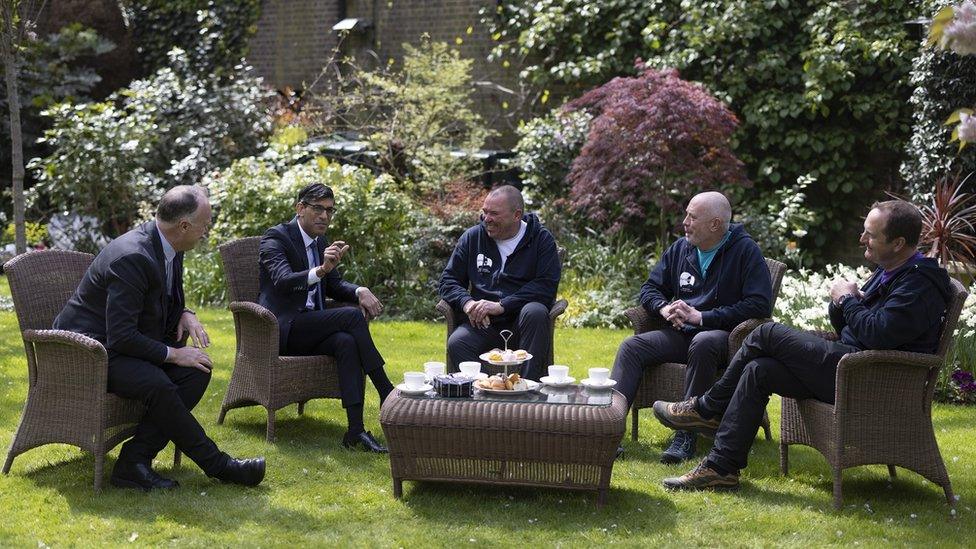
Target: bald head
{"x": 511, "y": 196}
{"x": 707, "y": 220}
{"x": 183, "y": 216}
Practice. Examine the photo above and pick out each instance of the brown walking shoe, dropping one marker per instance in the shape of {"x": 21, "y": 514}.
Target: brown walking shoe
{"x": 703, "y": 477}
{"x": 682, "y": 416}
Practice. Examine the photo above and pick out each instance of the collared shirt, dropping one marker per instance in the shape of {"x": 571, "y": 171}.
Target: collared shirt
{"x": 169, "y": 253}
{"x": 311, "y": 249}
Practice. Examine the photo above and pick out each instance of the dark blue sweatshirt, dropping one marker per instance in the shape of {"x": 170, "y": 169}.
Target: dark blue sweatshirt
{"x": 737, "y": 288}
{"x": 531, "y": 272}
{"x": 904, "y": 314}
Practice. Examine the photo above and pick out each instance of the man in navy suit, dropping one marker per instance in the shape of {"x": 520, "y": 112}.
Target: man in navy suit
{"x": 131, "y": 300}
{"x": 298, "y": 272}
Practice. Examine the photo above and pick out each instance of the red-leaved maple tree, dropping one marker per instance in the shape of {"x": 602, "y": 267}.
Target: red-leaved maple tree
{"x": 655, "y": 140}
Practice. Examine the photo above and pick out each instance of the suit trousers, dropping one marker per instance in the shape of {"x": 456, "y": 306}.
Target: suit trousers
{"x": 531, "y": 332}
{"x": 773, "y": 359}
{"x": 704, "y": 353}
{"x": 343, "y": 333}
{"x": 169, "y": 392}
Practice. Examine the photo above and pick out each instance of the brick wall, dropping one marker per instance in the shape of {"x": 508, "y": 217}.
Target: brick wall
{"x": 294, "y": 38}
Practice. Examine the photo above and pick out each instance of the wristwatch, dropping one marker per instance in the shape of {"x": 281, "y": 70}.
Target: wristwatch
{"x": 188, "y": 310}
{"x": 845, "y": 297}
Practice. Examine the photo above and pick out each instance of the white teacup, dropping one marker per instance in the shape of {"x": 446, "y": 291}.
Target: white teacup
{"x": 470, "y": 368}
{"x": 599, "y": 376}
{"x": 433, "y": 369}
{"x": 414, "y": 380}
{"x": 558, "y": 373}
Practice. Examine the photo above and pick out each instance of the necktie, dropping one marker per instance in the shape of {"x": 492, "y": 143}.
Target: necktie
{"x": 313, "y": 258}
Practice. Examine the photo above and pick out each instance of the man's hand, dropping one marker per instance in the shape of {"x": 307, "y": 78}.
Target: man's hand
{"x": 682, "y": 313}
{"x": 190, "y": 325}
{"x": 331, "y": 257}
{"x": 843, "y": 287}
{"x": 190, "y": 357}
{"x": 480, "y": 312}
{"x": 368, "y": 303}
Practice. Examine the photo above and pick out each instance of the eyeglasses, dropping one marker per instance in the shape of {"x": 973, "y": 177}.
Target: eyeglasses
{"x": 319, "y": 210}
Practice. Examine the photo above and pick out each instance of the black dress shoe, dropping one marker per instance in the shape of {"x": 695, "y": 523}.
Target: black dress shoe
{"x": 130, "y": 474}
{"x": 248, "y": 472}
{"x": 364, "y": 439}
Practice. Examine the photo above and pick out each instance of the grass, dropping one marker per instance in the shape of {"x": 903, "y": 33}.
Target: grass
{"x": 318, "y": 494}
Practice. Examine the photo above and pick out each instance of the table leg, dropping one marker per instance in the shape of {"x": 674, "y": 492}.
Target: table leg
{"x": 397, "y": 488}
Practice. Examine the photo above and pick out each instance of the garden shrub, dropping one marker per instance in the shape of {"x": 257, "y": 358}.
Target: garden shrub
{"x": 214, "y": 34}
{"x": 546, "y": 148}
{"x": 169, "y": 129}
{"x": 602, "y": 276}
{"x": 821, "y": 88}
{"x": 36, "y": 234}
{"x": 777, "y": 223}
{"x": 654, "y": 141}
{"x": 412, "y": 117}
{"x": 942, "y": 81}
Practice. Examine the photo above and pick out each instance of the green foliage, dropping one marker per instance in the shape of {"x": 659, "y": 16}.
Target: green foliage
{"x": 820, "y": 87}
{"x": 412, "y": 117}
{"x": 36, "y": 234}
{"x": 602, "y": 276}
{"x": 214, "y": 34}
{"x": 546, "y": 148}
{"x": 169, "y": 129}
{"x": 779, "y": 222}
{"x": 942, "y": 82}
{"x": 254, "y": 194}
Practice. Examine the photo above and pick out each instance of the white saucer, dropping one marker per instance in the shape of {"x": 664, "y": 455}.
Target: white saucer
{"x": 566, "y": 382}
{"x": 590, "y": 385}
{"x": 407, "y": 391}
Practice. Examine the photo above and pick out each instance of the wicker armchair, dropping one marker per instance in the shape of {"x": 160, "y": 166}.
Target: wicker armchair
{"x": 455, "y": 318}
{"x": 882, "y": 412}
{"x": 667, "y": 381}
{"x": 261, "y": 377}
{"x": 67, "y": 397}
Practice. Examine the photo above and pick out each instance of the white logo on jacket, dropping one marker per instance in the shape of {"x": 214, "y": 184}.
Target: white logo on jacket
{"x": 686, "y": 279}
{"x": 484, "y": 263}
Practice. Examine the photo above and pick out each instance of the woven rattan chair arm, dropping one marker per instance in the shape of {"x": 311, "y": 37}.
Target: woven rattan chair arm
{"x": 643, "y": 322}
{"x": 880, "y": 359}
{"x": 558, "y": 308}
{"x": 742, "y": 331}
{"x": 257, "y": 331}
{"x": 255, "y": 310}
{"x": 445, "y": 309}
{"x": 64, "y": 337}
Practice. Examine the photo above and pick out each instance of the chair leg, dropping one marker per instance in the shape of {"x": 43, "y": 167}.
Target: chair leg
{"x": 301, "y": 408}
{"x": 947, "y": 488}
{"x": 892, "y": 473}
{"x": 177, "y": 457}
{"x": 271, "y": 426}
{"x": 633, "y": 424}
{"x": 8, "y": 462}
{"x": 784, "y": 458}
{"x": 765, "y": 426}
{"x": 220, "y": 417}
{"x": 99, "y": 469}
{"x": 838, "y": 494}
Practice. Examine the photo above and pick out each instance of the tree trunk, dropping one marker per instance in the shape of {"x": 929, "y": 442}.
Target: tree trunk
{"x": 16, "y": 148}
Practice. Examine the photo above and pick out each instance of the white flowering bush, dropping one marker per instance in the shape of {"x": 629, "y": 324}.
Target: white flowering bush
{"x": 954, "y": 28}
{"x": 804, "y": 295}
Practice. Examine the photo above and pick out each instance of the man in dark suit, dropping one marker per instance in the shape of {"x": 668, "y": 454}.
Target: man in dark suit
{"x": 298, "y": 272}
{"x": 131, "y": 300}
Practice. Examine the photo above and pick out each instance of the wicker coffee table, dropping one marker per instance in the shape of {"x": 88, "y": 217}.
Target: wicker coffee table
{"x": 564, "y": 438}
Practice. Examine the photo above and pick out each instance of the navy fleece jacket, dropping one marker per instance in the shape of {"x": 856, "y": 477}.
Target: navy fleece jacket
{"x": 905, "y": 314}
{"x": 737, "y": 288}
{"x": 531, "y": 272}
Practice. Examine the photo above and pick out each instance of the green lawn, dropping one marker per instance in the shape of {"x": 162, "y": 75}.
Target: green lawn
{"x": 316, "y": 493}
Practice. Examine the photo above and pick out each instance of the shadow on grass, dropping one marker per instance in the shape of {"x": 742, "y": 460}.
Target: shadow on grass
{"x": 192, "y": 504}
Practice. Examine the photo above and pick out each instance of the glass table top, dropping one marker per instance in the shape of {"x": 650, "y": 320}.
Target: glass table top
{"x": 573, "y": 394}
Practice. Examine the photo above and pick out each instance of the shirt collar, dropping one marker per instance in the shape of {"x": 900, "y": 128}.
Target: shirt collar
{"x": 305, "y": 238}
{"x": 168, "y": 251}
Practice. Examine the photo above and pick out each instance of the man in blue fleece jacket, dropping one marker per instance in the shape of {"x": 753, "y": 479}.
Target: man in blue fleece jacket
{"x": 901, "y": 307}
{"x": 511, "y": 264}
{"x": 704, "y": 285}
